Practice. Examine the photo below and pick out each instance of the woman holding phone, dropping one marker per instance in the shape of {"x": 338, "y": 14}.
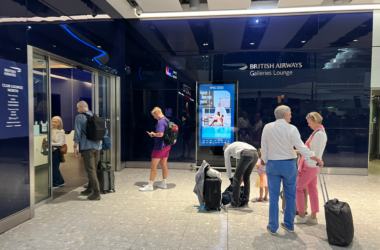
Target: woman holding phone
{"x": 160, "y": 152}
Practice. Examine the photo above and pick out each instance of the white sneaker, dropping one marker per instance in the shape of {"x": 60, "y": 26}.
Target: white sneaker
{"x": 146, "y": 188}
{"x": 312, "y": 221}
{"x": 299, "y": 220}
{"x": 162, "y": 185}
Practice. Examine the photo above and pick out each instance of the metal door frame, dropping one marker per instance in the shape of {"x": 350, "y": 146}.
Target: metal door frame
{"x": 95, "y": 104}
{"x": 114, "y": 89}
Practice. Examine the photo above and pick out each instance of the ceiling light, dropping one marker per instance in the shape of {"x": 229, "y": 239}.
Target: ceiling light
{"x": 323, "y": 9}
{"x": 99, "y": 46}
{"x": 29, "y": 27}
{"x": 18, "y": 48}
{"x": 54, "y": 46}
{"x": 303, "y": 41}
{"x": 252, "y": 43}
{"x": 355, "y": 40}
{"x": 205, "y": 44}
{"x": 257, "y": 21}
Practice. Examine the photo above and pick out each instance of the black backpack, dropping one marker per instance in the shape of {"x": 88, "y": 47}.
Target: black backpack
{"x": 171, "y": 132}
{"x": 96, "y": 127}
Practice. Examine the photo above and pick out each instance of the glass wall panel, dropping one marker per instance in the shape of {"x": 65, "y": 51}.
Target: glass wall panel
{"x": 41, "y": 128}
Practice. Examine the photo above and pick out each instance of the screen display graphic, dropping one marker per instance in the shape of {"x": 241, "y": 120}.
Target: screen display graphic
{"x": 14, "y": 119}
{"x": 216, "y": 114}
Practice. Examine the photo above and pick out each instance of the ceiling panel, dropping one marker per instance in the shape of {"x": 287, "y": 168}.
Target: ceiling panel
{"x": 298, "y": 3}
{"x": 281, "y": 30}
{"x": 159, "y": 5}
{"x": 228, "y": 4}
{"x": 123, "y": 8}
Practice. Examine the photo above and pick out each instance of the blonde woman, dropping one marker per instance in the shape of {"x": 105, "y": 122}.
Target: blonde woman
{"x": 160, "y": 152}
{"x": 58, "y": 140}
{"x": 308, "y": 171}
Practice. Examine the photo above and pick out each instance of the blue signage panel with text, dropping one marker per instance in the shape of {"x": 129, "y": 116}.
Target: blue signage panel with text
{"x": 216, "y": 114}
{"x": 13, "y": 99}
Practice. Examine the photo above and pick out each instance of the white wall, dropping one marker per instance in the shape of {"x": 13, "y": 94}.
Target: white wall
{"x": 375, "y": 69}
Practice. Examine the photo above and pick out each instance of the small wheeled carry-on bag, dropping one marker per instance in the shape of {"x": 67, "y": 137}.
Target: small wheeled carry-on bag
{"x": 339, "y": 223}
{"x": 106, "y": 177}
{"x": 212, "y": 193}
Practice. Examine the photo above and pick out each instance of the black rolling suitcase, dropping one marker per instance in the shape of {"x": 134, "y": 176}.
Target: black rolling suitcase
{"x": 339, "y": 222}
{"x": 212, "y": 193}
{"x": 106, "y": 177}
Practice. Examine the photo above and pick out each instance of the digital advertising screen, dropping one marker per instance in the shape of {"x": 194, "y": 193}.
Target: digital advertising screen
{"x": 14, "y": 117}
{"x": 216, "y": 114}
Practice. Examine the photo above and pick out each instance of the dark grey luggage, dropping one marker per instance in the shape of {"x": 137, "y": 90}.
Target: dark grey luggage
{"x": 106, "y": 177}
{"x": 212, "y": 193}
{"x": 339, "y": 222}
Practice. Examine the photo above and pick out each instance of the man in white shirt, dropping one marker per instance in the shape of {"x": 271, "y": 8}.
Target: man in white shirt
{"x": 248, "y": 157}
{"x": 277, "y": 149}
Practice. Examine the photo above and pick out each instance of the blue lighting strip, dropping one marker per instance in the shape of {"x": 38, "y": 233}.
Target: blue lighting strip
{"x": 71, "y": 33}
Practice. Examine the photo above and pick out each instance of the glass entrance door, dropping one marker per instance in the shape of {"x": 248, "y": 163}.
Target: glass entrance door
{"x": 374, "y": 127}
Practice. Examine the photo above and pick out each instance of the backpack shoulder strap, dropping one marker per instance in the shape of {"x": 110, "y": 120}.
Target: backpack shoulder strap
{"x": 167, "y": 123}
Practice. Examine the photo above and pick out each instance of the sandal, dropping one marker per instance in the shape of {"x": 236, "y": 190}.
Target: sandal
{"x": 265, "y": 199}
{"x": 258, "y": 200}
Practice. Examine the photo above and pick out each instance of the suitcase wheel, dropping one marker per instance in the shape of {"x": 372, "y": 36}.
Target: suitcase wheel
{"x": 207, "y": 208}
{"x": 104, "y": 191}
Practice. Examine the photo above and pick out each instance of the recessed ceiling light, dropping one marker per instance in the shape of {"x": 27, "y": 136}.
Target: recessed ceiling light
{"x": 257, "y": 21}
{"x": 18, "y": 48}
{"x": 205, "y": 44}
{"x": 54, "y": 46}
{"x": 252, "y": 43}
{"x": 303, "y": 41}
{"x": 355, "y": 40}
{"x": 29, "y": 27}
{"x": 99, "y": 46}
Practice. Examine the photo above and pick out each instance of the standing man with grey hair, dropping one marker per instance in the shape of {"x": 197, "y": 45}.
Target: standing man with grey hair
{"x": 277, "y": 149}
{"x": 248, "y": 157}
{"x": 90, "y": 151}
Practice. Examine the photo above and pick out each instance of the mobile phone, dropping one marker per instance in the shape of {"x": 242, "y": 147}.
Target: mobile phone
{"x": 147, "y": 132}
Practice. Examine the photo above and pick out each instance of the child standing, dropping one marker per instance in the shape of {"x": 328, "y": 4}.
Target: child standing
{"x": 261, "y": 166}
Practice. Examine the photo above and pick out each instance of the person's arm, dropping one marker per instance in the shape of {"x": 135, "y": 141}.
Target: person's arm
{"x": 153, "y": 134}
{"x": 318, "y": 145}
{"x": 264, "y": 146}
{"x": 160, "y": 129}
{"x": 227, "y": 163}
{"x": 258, "y": 163}
{"x": 61, "y": 141}
{"x": 301, "y": 147}
{"x": 77, "y": 133}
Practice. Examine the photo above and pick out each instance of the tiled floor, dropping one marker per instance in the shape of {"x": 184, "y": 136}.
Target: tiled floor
{"x": 170, "y": 219}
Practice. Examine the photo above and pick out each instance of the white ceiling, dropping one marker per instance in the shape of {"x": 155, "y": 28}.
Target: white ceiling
{"x": 159, "y": 5}
{"x": 228, "y": 4}
{"x": 298, "y": 3}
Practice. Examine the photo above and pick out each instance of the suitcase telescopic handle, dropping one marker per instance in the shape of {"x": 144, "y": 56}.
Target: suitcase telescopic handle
{"x": 320, "y": 172}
